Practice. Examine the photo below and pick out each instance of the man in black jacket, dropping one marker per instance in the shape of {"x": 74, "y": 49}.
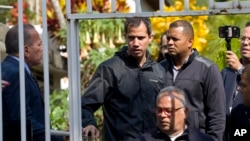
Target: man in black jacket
{"x": 239, "y": 125}
{"x": 171, "y": 113}
{"x": 126, "y": 86}
{"x": 198, "y": 77}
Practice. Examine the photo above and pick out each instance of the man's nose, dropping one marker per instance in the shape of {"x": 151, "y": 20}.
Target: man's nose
{"x": 170, "y": 41}
{"x": 136, "y": 41}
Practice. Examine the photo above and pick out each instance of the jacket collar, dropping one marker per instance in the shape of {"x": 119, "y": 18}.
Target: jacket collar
{"x": 190, "y": 58}
{"x": 183, "y": 136}
{"x": 123, "y": 54}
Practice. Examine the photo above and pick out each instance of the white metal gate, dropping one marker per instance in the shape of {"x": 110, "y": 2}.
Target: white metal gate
{"x": 75, "y": 132}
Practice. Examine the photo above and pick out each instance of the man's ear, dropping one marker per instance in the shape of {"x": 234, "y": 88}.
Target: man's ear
{"x": 151, "y": 37}
{"x": 191, "y": 41}
{"x": 186, "y": 111}
{"x": 26, "y": 51}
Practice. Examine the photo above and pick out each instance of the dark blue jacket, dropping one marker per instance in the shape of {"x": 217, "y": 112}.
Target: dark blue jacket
{"x": 230, "y": 79}
{"x": 127, "y": 94}
{"x": 189, "y": 134}
{"x": 11, "y": 98}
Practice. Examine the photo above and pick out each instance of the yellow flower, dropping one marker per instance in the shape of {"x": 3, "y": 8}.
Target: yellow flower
{"x": 160, "y": 24}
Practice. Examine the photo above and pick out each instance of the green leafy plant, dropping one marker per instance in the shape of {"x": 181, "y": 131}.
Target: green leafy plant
{"x": 59, "y": 109}
{"x": 216, "y": 46}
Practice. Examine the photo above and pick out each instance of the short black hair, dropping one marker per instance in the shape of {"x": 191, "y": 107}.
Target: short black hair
{"x": 136, "y": 21}
{"x": 188, "y": 28}
{"x": 247, "y": 24}
{"x": 12, "y": 41}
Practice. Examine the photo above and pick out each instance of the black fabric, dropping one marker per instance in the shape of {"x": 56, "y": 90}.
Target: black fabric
{"x": 127, "y": 94}
{"x": 239, "y": 119}
{"x": 189, "y": 134}
{"x": 12, "y": 130}
{"x": 202, "y": 83}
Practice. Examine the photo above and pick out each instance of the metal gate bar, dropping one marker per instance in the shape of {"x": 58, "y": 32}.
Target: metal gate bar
{"x": 46, "y": 71}
{"x": 21, "y": 70}
{"x": 214, "y": 8}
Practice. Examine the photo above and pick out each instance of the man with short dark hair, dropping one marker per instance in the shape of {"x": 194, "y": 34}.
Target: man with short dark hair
{"x": 198, "y": 77}
{"x": 126, "y": 86}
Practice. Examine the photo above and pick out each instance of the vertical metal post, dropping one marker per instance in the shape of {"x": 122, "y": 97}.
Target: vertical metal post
{"x": 1, "y": 105}
{"x": 89, "y": 6}
{"x": 161, "y": 5}
{"x": 235, "y": 3}
{"x": 74, "y": 82}
{"x": 74, "y": 75}
{"x": 186, "y": 4}
{"x": 46, "y": 70}
{"x": 113, "y": 6}
{"x": 68, "y": 7}
{"x": 211, "y": 4}
{"x": 21, "y": 69}
{"x": 138, "y": 6}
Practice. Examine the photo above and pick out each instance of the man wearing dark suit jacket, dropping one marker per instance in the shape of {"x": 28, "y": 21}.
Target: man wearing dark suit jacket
{"x": 33, "y": 53}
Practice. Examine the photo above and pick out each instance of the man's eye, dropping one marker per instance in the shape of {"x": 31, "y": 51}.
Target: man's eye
{"x": 138, "y": 37}
{"x": 174, "y": 39}
{"x": 131, "y": 37}
{"x": 141, "y": 37}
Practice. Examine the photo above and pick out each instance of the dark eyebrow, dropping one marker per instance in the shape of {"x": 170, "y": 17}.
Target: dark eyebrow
{"x": 173, "y": 38}
{"x": 138, "y": 37}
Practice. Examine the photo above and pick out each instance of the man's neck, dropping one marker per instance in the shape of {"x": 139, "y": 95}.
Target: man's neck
{"x": 245, "y": 61}
{"x": 180, "y": 60}
{"x": 142, "y": 60}
{"x": 176, "y": 133}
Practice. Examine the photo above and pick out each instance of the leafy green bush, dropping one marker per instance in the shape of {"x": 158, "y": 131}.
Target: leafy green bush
{"x": 217, "y": 46}
{"x": 59, "y": 109}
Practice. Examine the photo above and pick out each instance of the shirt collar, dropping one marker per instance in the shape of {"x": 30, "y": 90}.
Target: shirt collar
{"x": 25, "y": 64}
{"x": 185, "y": 61}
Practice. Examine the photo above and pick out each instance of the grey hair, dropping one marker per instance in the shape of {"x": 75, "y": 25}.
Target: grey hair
{"x": 168, "y": 91}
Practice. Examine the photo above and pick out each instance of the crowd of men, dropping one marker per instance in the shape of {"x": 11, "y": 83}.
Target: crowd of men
{"x": 182, "y": 96}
